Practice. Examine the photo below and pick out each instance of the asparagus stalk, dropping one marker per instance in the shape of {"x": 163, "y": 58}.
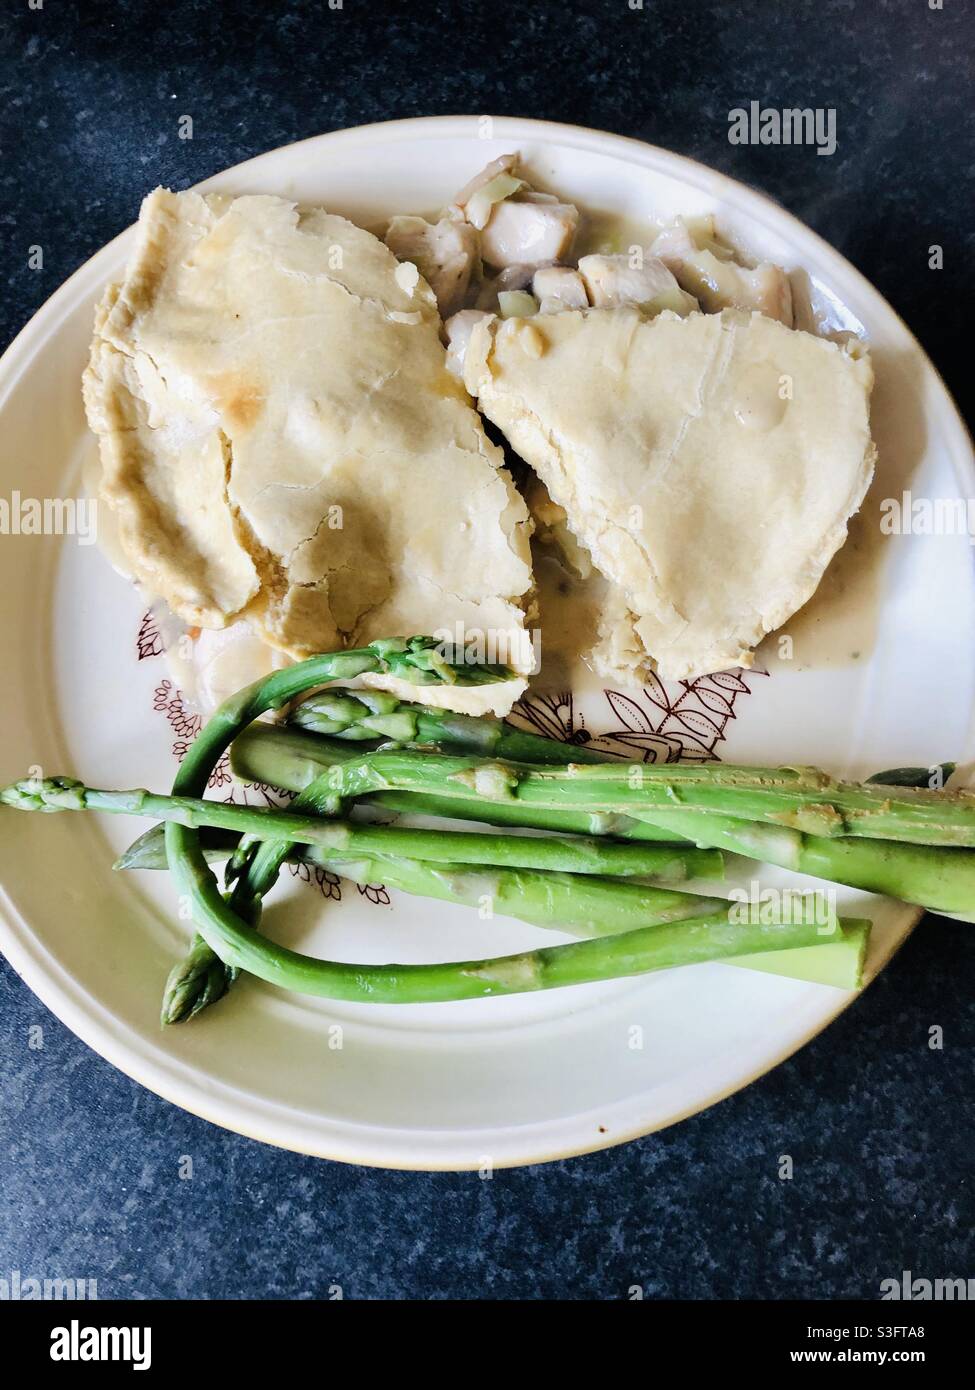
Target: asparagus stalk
{"x": 590, "y": 907}
{"x": 292, "y": 759}
{"x": 572, "y": 901}
{"x": 801, "y": 798}
{"x": 240, "y": 947}
{"x": 343, "y": 839}
{"x": 575, "y": 857}
{"x": 939, "y": 878}
{"x": 200, "y": 978}
{"x": 379, "y": 716}
{"x": 418, "y": 660}
{"x": 580, "y": 905}
{"x": 646, "y": 948}
{"x": 838, "y": 963}
{"x": 195, "y": 982}
{"x": 375, "y": 715}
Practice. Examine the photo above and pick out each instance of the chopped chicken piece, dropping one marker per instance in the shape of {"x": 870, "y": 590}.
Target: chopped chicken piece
{"x": 558, "y": 287}
{"x": 768, "y": 288}
{"x": 612, "y": 281}
{"x": 721, "y": 283}
{"x": 528, "y": 230}
{"x": 518, "y": 226}
{"x": 459, "y": 329}
{"x": 444, "y": 253}
{"x": 493, "y": 184}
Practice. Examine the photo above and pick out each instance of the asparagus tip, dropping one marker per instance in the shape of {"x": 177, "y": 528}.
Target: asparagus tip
{"x": 194, "y": 983}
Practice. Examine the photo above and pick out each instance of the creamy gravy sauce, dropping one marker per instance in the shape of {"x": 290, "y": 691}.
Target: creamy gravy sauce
{"x": 569, "y": 609}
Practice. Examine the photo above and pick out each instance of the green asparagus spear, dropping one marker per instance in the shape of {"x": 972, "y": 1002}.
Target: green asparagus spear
{"x": 576, "y": 887}
{"x": 939, "y": 878}
{"x": 375, "y": 715}
{"x": 805, "y": 799}
{"x": 712, "y": 937}
{"x": 573, "y": 900}
{"x": 199, "y": 979}
{"x": 589, "y": 907}
{"x": 801, "y": 798}
{"x": 579, "y": 904}
{"x": 372, "y": 715}
{"x": 341, "y": 838}
{"x": 291, "y": 759}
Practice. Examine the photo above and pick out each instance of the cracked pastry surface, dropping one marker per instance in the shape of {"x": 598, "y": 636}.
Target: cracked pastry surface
{"x": 281, "y": 441}
{"x": 708, "y": 464}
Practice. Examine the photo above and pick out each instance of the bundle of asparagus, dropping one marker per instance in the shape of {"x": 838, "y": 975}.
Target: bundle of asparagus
{"x": 609, "y": 826}
{"x": 928, "y": 875}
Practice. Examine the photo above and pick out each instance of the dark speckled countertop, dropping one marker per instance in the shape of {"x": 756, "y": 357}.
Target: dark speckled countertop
{"x": 878, "y": 1124}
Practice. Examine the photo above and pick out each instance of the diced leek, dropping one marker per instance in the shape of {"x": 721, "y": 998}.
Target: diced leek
{"x": 517, "y": 304}
{"x": 482, "y": 202}
{"x": 705, "y": 237}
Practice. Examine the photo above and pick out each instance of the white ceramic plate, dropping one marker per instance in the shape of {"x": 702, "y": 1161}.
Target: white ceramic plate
{"x": 879, "y": 678}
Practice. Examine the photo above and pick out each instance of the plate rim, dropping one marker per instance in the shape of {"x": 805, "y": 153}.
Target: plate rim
{"x": 41, "y": 976}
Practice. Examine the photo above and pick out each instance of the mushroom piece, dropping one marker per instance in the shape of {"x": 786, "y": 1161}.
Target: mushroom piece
{"x": 614, "y": 280}
{"x": 459, "y": 329}
{"x": 444, "y": 253}
{"x": 558, "y": 287}
{"x": 720, "y": 282}
{"x": 513, "y": 277}
{"x": 528, "y": 229}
